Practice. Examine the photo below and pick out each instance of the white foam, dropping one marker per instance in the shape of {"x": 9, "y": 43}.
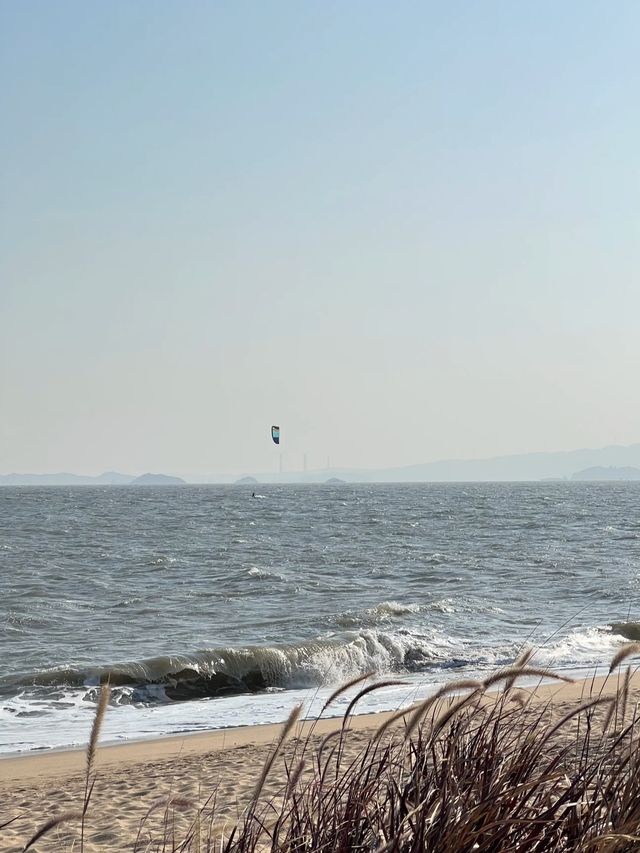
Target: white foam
{"x": 580, "y": 647}
{"x": 70, "y": 726}
{"x": 257, "y": 572}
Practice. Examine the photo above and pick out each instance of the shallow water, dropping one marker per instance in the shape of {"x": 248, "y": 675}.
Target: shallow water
{"x": 205, "y": 607}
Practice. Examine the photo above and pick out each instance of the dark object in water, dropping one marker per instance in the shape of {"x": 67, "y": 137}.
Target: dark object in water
{"x": 628, "y": 630}
{"x": 198, "y": 686}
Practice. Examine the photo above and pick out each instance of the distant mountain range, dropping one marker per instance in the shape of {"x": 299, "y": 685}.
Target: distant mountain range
{"x": 109, "y": 478}
{"x": 526, "y": 466}
{"x": 611, "y": 473}
{"x": 560, "y": 465}
{"x": 606, "y": 463}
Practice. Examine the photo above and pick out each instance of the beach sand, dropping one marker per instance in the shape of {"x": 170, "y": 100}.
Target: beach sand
{"x": 136, "y": 777}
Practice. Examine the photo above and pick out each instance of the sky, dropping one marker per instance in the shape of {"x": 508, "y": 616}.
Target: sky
{"x": 402, "y": 231}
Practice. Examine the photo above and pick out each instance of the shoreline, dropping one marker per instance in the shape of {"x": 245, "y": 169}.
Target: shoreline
{"x": 51, "y": 763}
{"x": 577, "y": 673}
{"x": 71, "y": 760}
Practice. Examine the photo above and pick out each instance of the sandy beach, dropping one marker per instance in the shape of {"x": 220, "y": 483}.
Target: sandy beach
{"x": 132, "y": 777}
{"x": 137, "y": 777}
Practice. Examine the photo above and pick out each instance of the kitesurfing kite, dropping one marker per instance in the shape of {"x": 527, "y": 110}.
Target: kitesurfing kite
{"x": 275, "y": 434}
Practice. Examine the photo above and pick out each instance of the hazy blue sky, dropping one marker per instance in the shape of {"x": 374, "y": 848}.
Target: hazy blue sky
{"x": 403, "y": 231}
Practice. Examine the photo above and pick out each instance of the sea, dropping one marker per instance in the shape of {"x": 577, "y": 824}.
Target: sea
{"x": 205, "y": 607}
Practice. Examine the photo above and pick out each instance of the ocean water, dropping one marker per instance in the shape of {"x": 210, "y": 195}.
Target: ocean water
{"x": 206, "y": 608}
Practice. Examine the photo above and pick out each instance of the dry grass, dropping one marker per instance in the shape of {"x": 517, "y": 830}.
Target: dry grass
{"x": 462, "y": 771}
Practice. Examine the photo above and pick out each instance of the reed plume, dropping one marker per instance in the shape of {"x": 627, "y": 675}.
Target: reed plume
{"x": 344, "y": 687}
{"x": 49, "y": 825}
{"x": 101, "y": 709}
{"x": 284, "y": 734}
{"x": 103, "y": 702}
{"x": 625, "y": 651}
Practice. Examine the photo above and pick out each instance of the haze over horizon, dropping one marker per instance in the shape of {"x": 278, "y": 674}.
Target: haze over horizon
{"x": 613, "y": 462}
{"x": 404, "y": 234}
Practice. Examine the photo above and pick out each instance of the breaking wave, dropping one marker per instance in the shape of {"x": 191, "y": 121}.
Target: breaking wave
{"x": 221, "y": 672}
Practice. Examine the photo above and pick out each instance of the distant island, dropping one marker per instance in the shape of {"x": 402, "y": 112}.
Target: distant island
{"x": 611, "y": 473}
{"x": 246, "y": 481}
{"x": 157, "y": 480}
